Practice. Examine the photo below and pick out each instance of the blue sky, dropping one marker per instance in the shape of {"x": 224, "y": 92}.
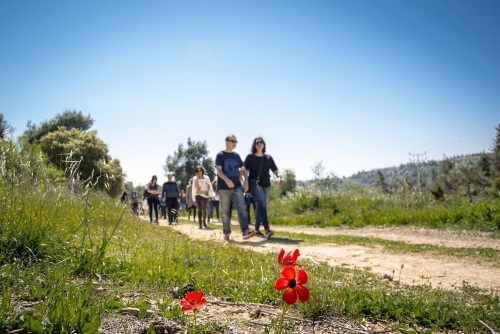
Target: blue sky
{"x": 356, "y": 85}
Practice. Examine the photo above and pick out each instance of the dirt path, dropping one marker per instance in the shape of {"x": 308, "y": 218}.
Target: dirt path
{"x": 418, "y": 268}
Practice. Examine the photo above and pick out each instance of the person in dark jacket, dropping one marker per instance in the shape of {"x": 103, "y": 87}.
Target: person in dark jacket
{"x": 258, "y": 164}
{"x": 170, "y": 194}
{"x": 153, "y": 191}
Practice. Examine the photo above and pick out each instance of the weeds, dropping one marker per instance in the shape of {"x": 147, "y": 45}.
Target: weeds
{"x": 57, "y": 241}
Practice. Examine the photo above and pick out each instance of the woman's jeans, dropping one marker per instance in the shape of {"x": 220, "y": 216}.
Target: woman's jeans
{"x": 228, "y": 196}
{"x": 214, "y": 205}
{"x": 202, "y": 202}
{"x": 183, "y": 209}
{"x": 260, "y": 196}
{"x": 153, "y": 204}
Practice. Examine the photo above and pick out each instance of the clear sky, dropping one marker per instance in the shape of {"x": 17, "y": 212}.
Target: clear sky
{"x": 355, "y": 84}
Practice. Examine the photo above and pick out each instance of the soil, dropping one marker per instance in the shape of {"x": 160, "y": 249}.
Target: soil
{"x": 447, "y": 272}
{"x": 442, "y": 271}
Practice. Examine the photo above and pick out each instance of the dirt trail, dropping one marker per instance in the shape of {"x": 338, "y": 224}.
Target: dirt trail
{"x": 419, "y": 268}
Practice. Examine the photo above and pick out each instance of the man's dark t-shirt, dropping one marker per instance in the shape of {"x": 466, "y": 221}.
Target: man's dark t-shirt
{"x": 230, "y": 163}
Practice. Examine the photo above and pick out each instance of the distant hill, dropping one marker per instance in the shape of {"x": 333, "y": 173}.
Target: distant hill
{"x": 409, "y": 170}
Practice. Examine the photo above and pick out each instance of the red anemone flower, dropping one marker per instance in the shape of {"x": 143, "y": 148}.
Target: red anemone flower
{"x": 192, "y": 300}
{"x": 292, "y": 282}
{"x": 288, "y": 259}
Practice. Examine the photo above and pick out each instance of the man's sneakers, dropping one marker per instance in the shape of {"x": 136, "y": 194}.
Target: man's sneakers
{"x": 259, "y": 234}
{"x": 248, "y": 234}
{"x": 226, "y": 236}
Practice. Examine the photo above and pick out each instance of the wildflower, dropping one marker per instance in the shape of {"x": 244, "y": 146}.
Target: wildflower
{"x": 192, "y": 301}
{"x": 292, "y": 281}
{"x": 288, "y": 259}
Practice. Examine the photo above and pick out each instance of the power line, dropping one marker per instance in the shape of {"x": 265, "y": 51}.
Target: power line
{"x": 417, "y": 155}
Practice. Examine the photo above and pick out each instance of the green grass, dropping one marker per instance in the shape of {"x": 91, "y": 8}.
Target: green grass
{"x": 354, "y": 209}
{"x": 56, "y": 240}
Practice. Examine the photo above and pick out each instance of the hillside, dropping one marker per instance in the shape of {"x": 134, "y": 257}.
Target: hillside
{"x": 409, "y": 170}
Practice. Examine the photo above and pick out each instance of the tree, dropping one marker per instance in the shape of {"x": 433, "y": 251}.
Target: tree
{"x": 184, "y": 160}
{"x": 5, "y": 128}
{"x": 448, "y": 176}
{"x": 289, "y": 182}
{"x": 68, "y": 148}
{"x": 70, "y": 119}
{"x": 324, "y": 183}
{"x": 381, "y": 182}
{"x": 495, "y": 173}
{"x": 471, "y": 177}
{"x": 318, "y": 170}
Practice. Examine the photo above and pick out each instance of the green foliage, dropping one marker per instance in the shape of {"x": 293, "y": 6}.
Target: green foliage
{"x": 67, "y": 147}
{"x": 356, "y": 209}
{"x": 69, "y": 119}
{"x": 437, "y": 191}
{"x": 185, "y": 159}
{"x": 5, "y": 128}
{"x": 67, "y": 308}
{"x": 495, "y": 165}
{"x": 288, "y": 184}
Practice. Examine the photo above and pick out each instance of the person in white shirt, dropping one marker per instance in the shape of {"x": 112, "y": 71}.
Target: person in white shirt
{"x": 201, "y": 193}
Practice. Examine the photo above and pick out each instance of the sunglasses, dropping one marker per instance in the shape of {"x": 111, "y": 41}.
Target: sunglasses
{"x": 232, "y": 141}
{"x": 259, "y": 142}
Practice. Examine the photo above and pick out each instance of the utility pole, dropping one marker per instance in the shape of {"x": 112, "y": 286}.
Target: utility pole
{"x": 417, "y": 158}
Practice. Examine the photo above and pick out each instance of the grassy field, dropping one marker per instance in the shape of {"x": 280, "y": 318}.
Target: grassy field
{"x": 58, "y": 239}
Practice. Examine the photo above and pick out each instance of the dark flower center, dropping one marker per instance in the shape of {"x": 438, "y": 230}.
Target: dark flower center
{"x": 292, "y": 284}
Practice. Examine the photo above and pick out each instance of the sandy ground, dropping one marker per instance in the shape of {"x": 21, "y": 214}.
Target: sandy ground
{"x": 418, "y": 268}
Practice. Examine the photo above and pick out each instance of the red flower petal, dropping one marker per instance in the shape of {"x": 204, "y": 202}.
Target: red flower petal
{"x": 288, "y": 272}
{"x": 301, "y": 277}
{"x": 303, "y": 293}
{"x": 281, "y": 284}
{"x": 192, "y": 300}
{"x": 280, "y": 256}
{"x": 290, "y": 296}
{"x": 288, "y": 259}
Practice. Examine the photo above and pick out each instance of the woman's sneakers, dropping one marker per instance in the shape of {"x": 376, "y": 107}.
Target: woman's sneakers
{"x": 268, "y": 234}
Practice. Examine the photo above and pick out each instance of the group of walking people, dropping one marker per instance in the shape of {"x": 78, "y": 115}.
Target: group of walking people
{"x": 254, "y": 172}
{"x": 235, "y": 180}
{"x": 166, "y": 198}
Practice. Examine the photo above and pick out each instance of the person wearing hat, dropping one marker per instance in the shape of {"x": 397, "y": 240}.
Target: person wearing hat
{"x": 170, "y": 194}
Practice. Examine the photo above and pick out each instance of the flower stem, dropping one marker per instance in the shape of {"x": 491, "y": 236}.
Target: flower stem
{"x": 285, "y": 308}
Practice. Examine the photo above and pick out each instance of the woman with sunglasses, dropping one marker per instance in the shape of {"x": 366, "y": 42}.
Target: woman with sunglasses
{"x": 202, "y": 192}
{"x": 258, "y": 164}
